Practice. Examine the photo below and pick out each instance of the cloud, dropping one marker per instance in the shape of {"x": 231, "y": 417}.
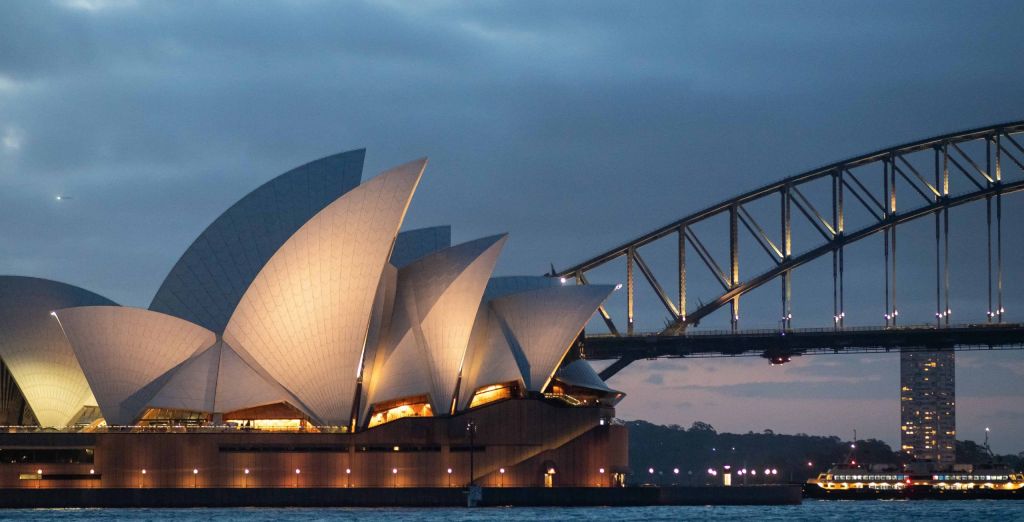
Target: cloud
{"x": 12, "y": 138}
{"x": 572, "y": 126}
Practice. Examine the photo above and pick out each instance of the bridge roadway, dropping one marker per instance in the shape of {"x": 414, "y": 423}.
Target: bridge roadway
{"x": 778, "y": 346}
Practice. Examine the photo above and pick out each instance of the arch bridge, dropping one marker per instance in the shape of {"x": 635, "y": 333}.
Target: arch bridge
{"x": 933, "y": 176}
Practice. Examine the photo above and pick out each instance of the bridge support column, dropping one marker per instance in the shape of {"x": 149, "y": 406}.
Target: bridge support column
{"x": 629, "y": 291}
{"x": 787, "y": 251}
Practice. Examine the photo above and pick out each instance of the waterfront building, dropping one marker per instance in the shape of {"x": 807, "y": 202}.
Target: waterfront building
{"x": 302, "y": 340}
{"x": 928, "y": 406}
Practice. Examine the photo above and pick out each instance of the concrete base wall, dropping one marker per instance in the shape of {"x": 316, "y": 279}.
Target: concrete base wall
{"x": 525, "y": 438}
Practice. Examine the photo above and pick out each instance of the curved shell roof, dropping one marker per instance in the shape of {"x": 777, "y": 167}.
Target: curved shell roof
{"x": 542, "y": 324}
{"x": 219, "y": 379}
{"x": 524, "y": 333}
{"x": 437, "y": 299}
{"x": 36, "y": 351}
{"x": 305, "y": 318}
{"x": 581, "y": 373}
{"x": 126, "y": 353}
{"x": 207, "y": 283}
{"x": 299, "y": 293}
{"x": 489, "y": 359}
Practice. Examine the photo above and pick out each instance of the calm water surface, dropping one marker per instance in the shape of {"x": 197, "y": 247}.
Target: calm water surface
{"x": 982, "y": 510}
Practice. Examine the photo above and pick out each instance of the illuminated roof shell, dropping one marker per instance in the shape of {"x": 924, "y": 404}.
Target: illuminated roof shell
{"x": 36, "y": 351}
{"x": 540, "y": 325}
{"x": 436, "y": 303}
{"x": 126, "y": 353}
{"x": 219, "y": 379}
{"x": 208, "y": 281}
{"x": 305, "y": 318}
{"x": 489, "y": 359}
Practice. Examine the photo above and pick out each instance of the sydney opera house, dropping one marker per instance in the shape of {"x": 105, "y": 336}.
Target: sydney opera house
{"x": 303, "y": 341}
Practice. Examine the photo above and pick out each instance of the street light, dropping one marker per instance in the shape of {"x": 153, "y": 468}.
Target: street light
{"x": 142, "y": 480}
{"x": 449, "y": 477}
{"x": 297, "y": 472}
{"x": 394, "y": 475}
{"x": 348, "y": 477}
{"x": 195, "y": 475}
{"x": 40, "y": 478}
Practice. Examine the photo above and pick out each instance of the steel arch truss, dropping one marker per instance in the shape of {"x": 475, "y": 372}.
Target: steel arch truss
{"x": 972, "y": 161}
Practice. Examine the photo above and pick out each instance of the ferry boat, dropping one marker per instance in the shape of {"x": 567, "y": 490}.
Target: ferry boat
{"x": 960, "y": 481}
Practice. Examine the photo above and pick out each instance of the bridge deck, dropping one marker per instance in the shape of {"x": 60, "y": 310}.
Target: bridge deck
{"x": 804, "y": 341}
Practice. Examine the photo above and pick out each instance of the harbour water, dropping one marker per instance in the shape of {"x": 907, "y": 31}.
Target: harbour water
{"x": 810, "y": 511}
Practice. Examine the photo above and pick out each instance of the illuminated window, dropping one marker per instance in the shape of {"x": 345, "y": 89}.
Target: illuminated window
{"x": 385, "y": 412}
{"x": 271, "y": 417}
{"x": 494, "y": 392}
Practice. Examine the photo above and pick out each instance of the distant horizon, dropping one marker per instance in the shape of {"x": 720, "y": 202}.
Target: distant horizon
{"x": 802, "y": 434}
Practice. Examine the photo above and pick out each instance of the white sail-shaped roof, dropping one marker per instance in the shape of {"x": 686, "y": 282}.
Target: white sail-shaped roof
{"x": 35, "y": 350}
{"x": 436, "y": 303}
{"x": 581, "y": 373}
{"x": 543, "y": 323}
{"x": 219, "y": 380}
{"x": 305, "y": 318}
{"x": 243, "y": 384}
{"x": 405, "y": 373}
{"x": 206, "y": 284}
{"x": 191, "y": 385}
{"x": 489, "y": 359}
{"x": 124, "y": 352}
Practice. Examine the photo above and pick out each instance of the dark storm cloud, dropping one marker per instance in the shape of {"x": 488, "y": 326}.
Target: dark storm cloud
{"x": 571, "y": 125}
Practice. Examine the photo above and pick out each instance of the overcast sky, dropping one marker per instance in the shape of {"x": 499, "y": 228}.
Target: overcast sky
{"x": 572, "y": 126}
